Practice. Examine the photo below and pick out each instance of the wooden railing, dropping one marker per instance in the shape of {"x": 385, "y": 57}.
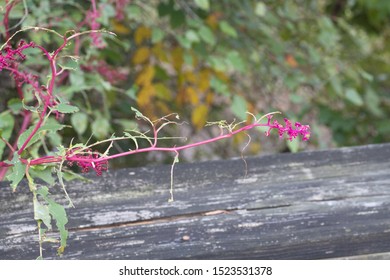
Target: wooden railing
{"x": 309, "y": 205}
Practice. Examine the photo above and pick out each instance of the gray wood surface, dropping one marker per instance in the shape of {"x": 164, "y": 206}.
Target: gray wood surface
{"x": 309, "y": 205}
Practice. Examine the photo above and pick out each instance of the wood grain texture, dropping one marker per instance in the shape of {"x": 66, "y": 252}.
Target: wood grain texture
{"x": 309, "y": 205}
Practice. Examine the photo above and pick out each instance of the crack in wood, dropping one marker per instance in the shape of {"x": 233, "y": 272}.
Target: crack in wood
{"x": 154, "y": 220}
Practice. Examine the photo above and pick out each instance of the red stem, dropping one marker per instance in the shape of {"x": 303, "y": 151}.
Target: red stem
{"x": 171, "y": 149}
{"x": 50, "y": 89}
{"x": 6, "y": 18}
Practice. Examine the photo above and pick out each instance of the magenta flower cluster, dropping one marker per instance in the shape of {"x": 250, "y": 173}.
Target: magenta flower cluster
{"x": 87, "y": 161}
{"x": 10, "y": 57}
{"x": 292, "y": 133}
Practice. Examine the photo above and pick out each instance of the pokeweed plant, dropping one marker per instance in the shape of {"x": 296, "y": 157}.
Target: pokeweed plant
{"x": 31, "y": 157}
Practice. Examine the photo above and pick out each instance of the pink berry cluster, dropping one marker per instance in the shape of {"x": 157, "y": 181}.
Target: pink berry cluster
{"x": 303, "y": 130}
{"x": 87, "y": 161}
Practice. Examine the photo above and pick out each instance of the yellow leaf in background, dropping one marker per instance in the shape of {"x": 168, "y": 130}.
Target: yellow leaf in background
{"x": 291, "y": 61}
{"x": 222, "y": 76}
{"x": 162, "y": 108}
{"x": 254, "y": 148}
{"x": 163, "y": 92}
{"x": 181, "y": 80}
{"x": 141, "y": 34}
{"x": 210, "y": 98}
{"x": 177, "y": 58}
{"x": 144, "y": 96}
{"x": 159, "y": 52}
{"x": 141, "y": 55}
{"x": 204, "y": 80}
{"x": 181, "y": 97}
{"x": 192, "y": 95}
{"x": 239, "y": 138}
{"x": 120, "y": 28}
{"x": 212, "y": 20}
{"x": 189, "y": 77}
{"x": 199, "y": 116}
{"x": 146, "y": 76}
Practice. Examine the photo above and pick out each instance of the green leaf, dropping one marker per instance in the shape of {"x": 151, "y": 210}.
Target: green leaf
{"x": 100, "y": 127}
{"x": 7, "y": 123}
{"x": 59, "y": 214}
{"x": 219, "y": 86}
{"x": 77, "y": 79}
{"x": 41, "y": 212}
{"x": 192, "y": 36}
{"x": 31, "y": 108}
{"x": 203, "y": 4}
{"x": 57, "y": 211}
{"x": 236, "y": 61}
{"x": 42, "y": 172}
{"x": 70, "y": 64}
{"x": 239, "y": 107}
{"x": 177, "y": 18}
{"x": 372, "y": 101}
{"x": 133, "y": 11}
{"x": 227, "y": 29}
{"x": 18, "y": 171}
{"x": 131, "y": 92}
{"x": 261, "y": 9}
{"x": 138, "y": 114}
{"x": 165, "y": 9}
{"x": 184, "y": 42}
{"x": 157, "y": 35}
{"x": 15, "y": 105}
{"x": 50, "y": 126}
{"x": 293, "y": 145}
{"x": 66, "y": 108}
{"x": 207, "y": 35}
{"x": 79, "y": 122}
{"x": 353, "y": 96}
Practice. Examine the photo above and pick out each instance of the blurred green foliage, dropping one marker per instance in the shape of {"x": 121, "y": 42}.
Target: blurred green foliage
{"x": 325, "y": 63}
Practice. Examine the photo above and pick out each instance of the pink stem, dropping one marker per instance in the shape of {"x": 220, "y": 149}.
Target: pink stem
{"x": 171, "y": 149}
{"x": 50, "y": 89}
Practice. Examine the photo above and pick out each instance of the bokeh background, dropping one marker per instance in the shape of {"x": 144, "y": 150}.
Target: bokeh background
{"x": 325, "y": 63}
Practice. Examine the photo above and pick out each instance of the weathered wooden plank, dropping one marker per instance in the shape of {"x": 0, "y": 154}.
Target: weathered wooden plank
{"x": 322, "y": 204}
